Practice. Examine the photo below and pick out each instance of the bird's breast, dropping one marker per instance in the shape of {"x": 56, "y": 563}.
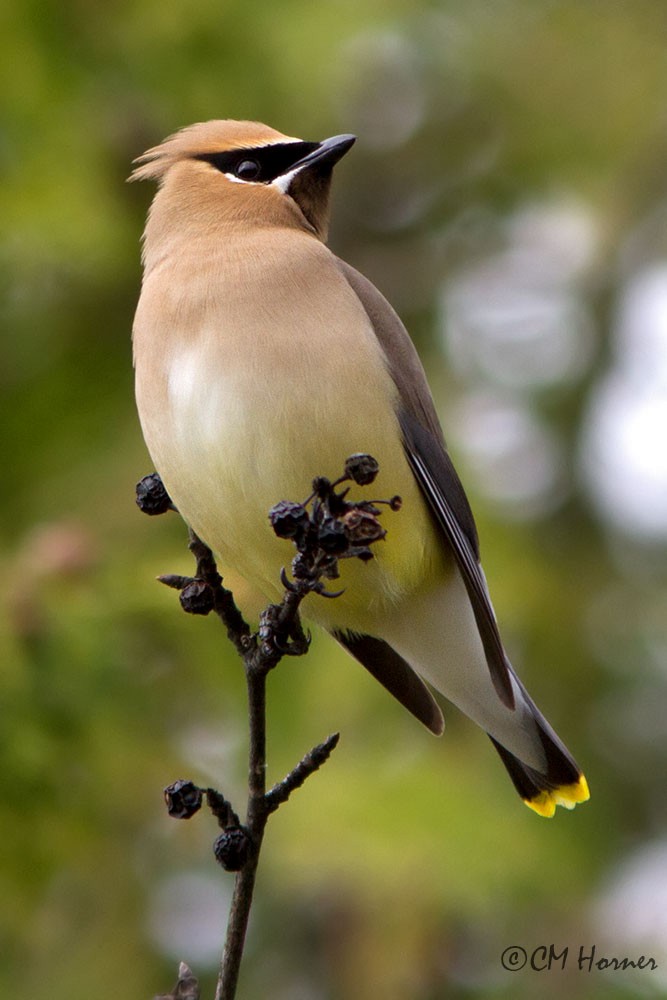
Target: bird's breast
{"x": 275, "y": 378}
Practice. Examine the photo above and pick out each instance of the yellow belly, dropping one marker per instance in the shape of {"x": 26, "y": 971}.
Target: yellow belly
{"x": 225, "y": 474}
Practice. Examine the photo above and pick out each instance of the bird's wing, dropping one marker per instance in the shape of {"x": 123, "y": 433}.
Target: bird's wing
{"x": 433, "y": 469}
{"x": 397, "y": 676}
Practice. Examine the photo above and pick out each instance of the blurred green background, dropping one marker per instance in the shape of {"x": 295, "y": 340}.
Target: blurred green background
{"x": 508, "y": 193}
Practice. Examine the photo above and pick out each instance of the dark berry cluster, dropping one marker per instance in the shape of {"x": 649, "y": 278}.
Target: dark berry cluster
{"x": 232, "y": 847}
{"x": 328, "y": 526}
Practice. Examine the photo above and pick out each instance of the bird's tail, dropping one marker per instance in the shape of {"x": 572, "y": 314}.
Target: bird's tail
{"x": 562, "y": 784}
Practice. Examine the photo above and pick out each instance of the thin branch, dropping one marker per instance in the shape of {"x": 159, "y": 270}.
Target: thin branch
{"x": 256, "y": 817}
{"x": 335, "y": 528}
{"x": 313, "y": 760}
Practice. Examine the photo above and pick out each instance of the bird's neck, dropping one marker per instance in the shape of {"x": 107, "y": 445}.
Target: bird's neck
{"x": 190, "y": 218}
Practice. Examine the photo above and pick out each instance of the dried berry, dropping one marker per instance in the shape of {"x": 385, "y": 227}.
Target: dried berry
{"x": 183, "y": 799}
{"x": 152, "y": 498}
{"x": 232, "y": 848}
{"x": 332, "y": 537}
{"x": 197, "y": 598}
{"x": 362, "y": 527}
{"x": 362, "y": 469}
{"x": 288, "y": 520}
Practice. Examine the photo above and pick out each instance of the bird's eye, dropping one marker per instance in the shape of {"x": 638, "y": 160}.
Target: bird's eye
{"x": 248, "y": 170}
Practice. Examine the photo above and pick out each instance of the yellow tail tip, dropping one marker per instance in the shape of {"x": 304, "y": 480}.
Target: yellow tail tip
{"x": 545, "y": 802}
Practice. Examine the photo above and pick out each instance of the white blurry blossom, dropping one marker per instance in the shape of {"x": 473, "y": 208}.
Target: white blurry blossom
{"x": 381, "y": 91}
{"x": 624, "y": 450}
{"x": 209, "y": 750}
{"x": 188, "y": 915}
{"x": 513, "y": 324}
{"x": 629, "y": 916}
{"x": 515, "y": 459}
{"x": 518, "y": 318}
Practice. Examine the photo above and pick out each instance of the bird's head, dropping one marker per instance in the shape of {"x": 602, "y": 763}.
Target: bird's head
{"x": 247, "y": 171}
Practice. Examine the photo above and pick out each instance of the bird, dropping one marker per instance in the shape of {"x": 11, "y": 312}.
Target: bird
{"x": 262, "y": 359}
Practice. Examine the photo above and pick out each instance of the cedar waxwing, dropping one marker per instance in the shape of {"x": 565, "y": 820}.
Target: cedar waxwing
{"x": 263, "y": 360}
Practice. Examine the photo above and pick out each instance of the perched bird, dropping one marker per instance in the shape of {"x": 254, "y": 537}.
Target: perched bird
{"x": 263, "y": 360}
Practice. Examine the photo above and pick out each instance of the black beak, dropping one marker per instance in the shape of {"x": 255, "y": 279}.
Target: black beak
{"x": 327, "y": 154}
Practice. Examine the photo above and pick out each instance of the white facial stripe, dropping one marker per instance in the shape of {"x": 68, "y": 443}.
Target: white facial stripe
{"x": 238, "y": 180}
{"x": 283, "y": 182}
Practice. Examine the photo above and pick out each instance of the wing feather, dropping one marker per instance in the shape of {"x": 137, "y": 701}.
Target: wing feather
{"x": 397, "y": 676}
{"x": 433, "y": 469}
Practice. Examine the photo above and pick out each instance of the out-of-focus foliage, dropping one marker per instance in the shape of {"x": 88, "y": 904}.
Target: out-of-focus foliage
{"x": 508, "y": 193}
